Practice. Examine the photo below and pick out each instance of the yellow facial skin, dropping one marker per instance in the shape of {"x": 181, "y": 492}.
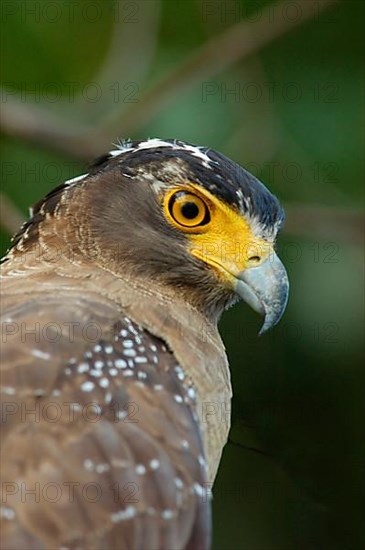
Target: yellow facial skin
{"x": 226, "y": 242}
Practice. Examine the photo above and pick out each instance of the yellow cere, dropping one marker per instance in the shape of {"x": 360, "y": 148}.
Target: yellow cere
{"x": 219, "y": 235}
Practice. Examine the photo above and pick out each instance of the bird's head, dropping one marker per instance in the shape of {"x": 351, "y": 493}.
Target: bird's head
{"x": 181, "y": 217}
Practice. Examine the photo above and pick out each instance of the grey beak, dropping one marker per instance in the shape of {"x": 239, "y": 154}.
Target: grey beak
{"x": 265, "y": 288}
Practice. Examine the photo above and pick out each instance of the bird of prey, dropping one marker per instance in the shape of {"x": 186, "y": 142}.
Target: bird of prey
{"x": 112, "y": 363}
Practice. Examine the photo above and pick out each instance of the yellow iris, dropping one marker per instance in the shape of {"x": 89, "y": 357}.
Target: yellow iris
{"x": 188, "y": 210}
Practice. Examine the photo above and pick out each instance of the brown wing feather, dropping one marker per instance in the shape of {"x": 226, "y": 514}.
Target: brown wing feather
{"x": 100, "y": 442}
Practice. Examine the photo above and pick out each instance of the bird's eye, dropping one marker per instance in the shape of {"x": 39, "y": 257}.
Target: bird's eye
{"x": 188, "y": 210}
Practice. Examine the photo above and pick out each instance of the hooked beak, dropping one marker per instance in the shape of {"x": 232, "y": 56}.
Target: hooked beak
{"x": 265, "y": 288}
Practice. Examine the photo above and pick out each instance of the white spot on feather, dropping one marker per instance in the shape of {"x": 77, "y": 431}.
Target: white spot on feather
{"x": 121, "y": 515}
{"x": 154, "y": 464}
{"x": 128, "y": 372}
{"x": 83, "y": 367}
{"x": 40, "y": 354}
{"x": 75, "y": 180}
{"x": 88, "y": 465}
{"x": 127, "y": 343}
{"x": 199, "y": 490}
{"x": 8, "y": 390}
{"x": 101, "y": 468}
{"x": 87, "y": 386}
{"x": 179, "y": 483}
{"x": 191, "y": 393}
{"x": 153, "y": 143}
{"x": 7, "y": 513}
{"x": 167, "y": 514}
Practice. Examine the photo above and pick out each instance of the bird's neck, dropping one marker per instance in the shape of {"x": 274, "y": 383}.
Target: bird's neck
{"x": 196, "y": 345}
{"x": 191, "y": 336}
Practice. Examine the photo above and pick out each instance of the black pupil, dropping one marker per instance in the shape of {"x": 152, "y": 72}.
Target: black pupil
{"x": 190, "y": 210}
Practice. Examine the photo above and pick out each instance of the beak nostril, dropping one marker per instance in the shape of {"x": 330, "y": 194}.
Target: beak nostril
{"x": 254, "y": 259}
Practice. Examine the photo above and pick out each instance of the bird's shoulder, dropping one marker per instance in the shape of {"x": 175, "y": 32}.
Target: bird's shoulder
{"x": 97, "y": 408}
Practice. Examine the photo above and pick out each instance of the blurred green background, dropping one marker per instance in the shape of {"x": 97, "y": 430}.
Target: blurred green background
{"x": 279, "y": 88}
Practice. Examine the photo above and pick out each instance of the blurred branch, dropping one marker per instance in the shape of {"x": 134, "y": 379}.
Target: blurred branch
{"x": 245, "y": 436}
{"x": 10, "y": 217}
{"x": 128, "y": 60}
{"x": 40, "y": 126}
{"x": 236, "y": 43}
